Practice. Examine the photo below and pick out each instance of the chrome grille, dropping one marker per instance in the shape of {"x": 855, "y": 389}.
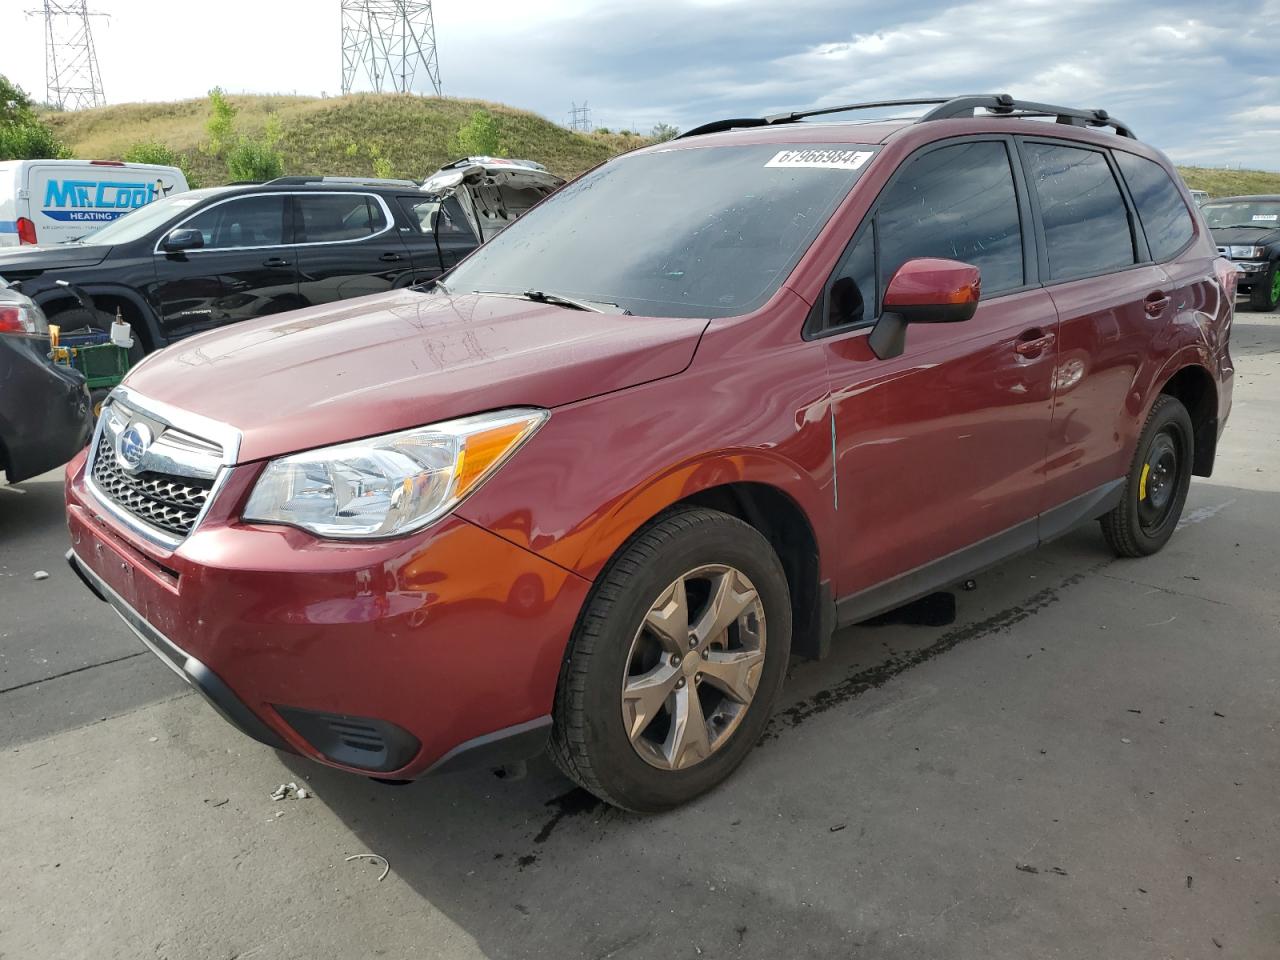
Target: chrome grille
{"x": 167, "y": 501}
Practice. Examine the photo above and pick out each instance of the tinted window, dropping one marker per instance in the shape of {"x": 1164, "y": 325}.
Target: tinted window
{"x": 247, "y": 222}
{"x": 1086, "y": 223}
{"x": 958, "y": 203}
{"x": 339, "y": 216}
{"x": 679, "y": 232}
{"x": 1164, "y": 216}
{"x": 851, "y": 297}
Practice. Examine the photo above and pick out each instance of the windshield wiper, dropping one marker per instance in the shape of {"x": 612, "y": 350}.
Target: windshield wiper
{"x": 555, "y": 299}
{"x": 1255, "y": 226}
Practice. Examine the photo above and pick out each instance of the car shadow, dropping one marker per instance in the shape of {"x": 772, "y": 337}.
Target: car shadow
{"x": 797, "y": 854}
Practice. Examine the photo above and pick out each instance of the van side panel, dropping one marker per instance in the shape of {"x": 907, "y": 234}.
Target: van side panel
{"x": 68, "y": 200}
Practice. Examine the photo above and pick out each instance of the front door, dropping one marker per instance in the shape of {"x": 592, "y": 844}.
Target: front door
{"x": 942, "y": 447}
{"x": 247, "y": 267}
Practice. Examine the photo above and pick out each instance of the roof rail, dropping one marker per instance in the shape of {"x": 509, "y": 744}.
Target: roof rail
{"x": 353, "y": 181}
{"x": 944, "y": 108}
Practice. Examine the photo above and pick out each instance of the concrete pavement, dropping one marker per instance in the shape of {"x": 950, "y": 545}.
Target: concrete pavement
{"x": 1085, "y": 763}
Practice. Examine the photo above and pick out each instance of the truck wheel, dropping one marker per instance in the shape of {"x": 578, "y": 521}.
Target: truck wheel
{"x": 1157, "y": 485}
{"x": 675, "y": 663}
{"x": 1266, "y": 291}
{"x": 82, "y": 319}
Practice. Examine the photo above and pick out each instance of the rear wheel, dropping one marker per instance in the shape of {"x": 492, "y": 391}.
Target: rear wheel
{"x": 675, "y": 663}
{"x": 1265, "y": 294}
{"x": 1156, "y": 488}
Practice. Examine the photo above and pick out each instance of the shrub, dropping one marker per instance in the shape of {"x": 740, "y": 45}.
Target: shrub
{"x": 153, "y": 151}
{"x": 221, "y": 121}
{"x": 254, "y": 160}
{"x": 664, "y": 131}
{"x": 480, "y": 136}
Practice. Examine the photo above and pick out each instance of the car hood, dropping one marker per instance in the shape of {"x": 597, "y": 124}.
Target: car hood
{"x": 27, "y": 261}
{"x": 392, "y": 361}
{"x": 1244, "y": 236}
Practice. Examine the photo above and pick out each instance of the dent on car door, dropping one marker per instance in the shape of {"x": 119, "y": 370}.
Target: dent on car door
{"x": 348, "y": 247}
{"x": 943, "y": 446}
{"x": 246, "y": 267}
{"x": 1109, "y": 301}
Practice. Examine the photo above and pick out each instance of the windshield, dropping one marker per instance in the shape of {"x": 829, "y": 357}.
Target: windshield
{"x": 692, "y": 232}
{"x": 1264, "y": 214}
{"x": 138, "y": 223}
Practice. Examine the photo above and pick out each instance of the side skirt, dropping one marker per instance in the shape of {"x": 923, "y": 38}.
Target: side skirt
{"x": 944, "y": 571}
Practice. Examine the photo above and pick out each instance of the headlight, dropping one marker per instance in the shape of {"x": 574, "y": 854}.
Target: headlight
{"x": 389, "y": 485}
{"x": 1247, "y": 253}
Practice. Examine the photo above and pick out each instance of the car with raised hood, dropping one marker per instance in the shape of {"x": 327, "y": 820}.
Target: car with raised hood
{"x": 45, "y": 416}
{"x": 693, "y": 412}
{"x": 1247, "y": 231}
{"x": 215, "y": 256}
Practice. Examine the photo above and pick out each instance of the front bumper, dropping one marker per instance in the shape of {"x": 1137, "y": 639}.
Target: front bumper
{"x": 1250, "y": 272}
{"x": 394, "y": 658}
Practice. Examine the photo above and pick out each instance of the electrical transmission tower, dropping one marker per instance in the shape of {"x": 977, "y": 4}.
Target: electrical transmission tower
{"x": 580, "y": 117}
{"x": 72, "y": 80}
{"x": 386, "y": 42}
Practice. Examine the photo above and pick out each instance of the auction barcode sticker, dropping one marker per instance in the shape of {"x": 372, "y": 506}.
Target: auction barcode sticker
{"x": 1269, "y": 217}
{"x": 825, "y": 159}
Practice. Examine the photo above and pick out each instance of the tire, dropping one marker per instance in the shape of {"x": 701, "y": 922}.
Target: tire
{"x": 1156, "y": 488}
{"x": 614, "y": 645}
{"x": 1265, "y": 293}
{"x": 82, "y": 318}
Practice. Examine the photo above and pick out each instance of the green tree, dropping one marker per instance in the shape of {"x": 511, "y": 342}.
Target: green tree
{"x": 221, "y": 123}
{"x": 480, "y": 136}
{"x": 664, "y": 131}
{"x": 23, "y": 135}
{"x": 153, "y": 151}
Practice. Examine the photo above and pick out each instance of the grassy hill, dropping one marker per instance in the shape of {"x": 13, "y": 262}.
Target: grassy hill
{"x": 336, "y": 135}
{"x": 343, "y": 135}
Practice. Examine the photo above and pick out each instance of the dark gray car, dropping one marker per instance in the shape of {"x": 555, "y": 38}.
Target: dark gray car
{"x": 44, "y": 408}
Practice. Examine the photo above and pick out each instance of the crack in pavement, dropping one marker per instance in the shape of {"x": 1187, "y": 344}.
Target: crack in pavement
{"x": 67, "y": 673}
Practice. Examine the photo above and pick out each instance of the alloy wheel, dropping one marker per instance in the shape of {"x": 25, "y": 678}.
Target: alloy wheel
{"x": 693, "y": 667}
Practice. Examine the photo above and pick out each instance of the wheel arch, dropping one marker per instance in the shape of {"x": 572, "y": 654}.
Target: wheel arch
{"x": 106, "y": 298}
{"x": 1196, "y": 389}
{"x": 768, "y": 493}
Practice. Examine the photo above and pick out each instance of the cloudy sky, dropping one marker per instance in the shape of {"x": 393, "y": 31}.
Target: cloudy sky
{"x": 1199, "y": 79}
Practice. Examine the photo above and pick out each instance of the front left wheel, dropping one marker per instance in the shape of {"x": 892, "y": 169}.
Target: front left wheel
{"x": 675, "y": 663}
{"x": 1265, "y": 294}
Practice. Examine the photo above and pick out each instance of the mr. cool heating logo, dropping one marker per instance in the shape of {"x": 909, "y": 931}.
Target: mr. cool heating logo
{"x": 97, "y": 200}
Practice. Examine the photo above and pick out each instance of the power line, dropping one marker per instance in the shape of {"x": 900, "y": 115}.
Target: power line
{"x": 71, "y": 76}
{"x": 386, "y": 42}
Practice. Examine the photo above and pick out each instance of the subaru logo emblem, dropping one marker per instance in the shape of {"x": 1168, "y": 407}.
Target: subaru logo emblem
{"x": 133, "y": 444}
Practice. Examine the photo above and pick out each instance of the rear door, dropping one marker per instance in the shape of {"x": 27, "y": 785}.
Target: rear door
{"x": 246, "y": 268}
{"x": 348, "y": 246}
{"x": 943, "y": 446}
{"x": 1110, "y": 298}
{"x": 441, "y": 231}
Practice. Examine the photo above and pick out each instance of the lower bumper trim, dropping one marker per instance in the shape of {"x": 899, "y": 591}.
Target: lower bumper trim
{"x": 523, "y": 741}
{"x": 207, "y": 683}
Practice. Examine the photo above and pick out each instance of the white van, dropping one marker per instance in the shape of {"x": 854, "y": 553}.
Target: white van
{"x": 52, "y": 201}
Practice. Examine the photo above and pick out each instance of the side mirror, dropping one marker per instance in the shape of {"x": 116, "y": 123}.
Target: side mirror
{"x": 183, "y": 239}
{"x": 924, "y": 290}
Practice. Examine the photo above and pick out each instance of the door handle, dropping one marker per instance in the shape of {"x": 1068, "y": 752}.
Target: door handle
{"x": 1155, "y": 303}
{"x": 1033, "y": 343}
{"x": 275, "y": 262}
{"x": 391, "y": 257}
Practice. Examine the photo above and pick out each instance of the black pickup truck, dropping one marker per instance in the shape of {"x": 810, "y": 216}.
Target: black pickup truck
{"x": 1247, "y": 230}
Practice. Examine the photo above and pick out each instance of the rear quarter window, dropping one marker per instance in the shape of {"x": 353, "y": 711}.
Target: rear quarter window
{"x": 1165, "y": 217}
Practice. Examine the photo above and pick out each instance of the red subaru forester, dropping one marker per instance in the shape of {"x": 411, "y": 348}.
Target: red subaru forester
{"x": 706, "y": 404}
